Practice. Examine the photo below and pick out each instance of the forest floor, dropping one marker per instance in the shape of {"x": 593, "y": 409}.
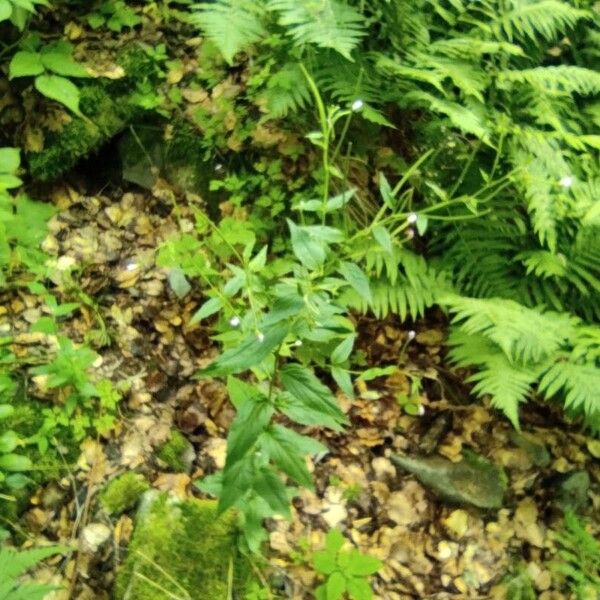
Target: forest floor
{"x": 429, "y": 548}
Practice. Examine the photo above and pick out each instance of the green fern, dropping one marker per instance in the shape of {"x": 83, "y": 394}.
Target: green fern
{"x": 14, "y": 564}
{"x": 324, "y": 23}
{"x": 533, "y": 20}
{"x": 231, "y": 25}
{"x": 556, "y": 79}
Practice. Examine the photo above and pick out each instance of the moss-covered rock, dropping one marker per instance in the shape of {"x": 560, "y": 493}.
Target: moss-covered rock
{"x": 123, "y": 493}
{"x": 177, "y": 452}
{"x": 182, "y": 549}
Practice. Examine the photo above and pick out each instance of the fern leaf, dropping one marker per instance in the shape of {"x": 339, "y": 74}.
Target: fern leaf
{"x": 324, "y": 23}
{"x": 508, "y": 384}
{"x": 580, "y": 384}
{"x": 543, "y": 263}
{"x": 561, "y": 78}
{"x": 287, "y": 91}
{"x": 231, "y": 25}
{"x": 13, "y": 564}
{"x": 525, "y": 335}
{"x": 546, "y": 19}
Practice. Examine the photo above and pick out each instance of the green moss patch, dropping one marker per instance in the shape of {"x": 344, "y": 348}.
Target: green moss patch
{"x": 123, "y": 493}
{"x": 177, "y": 453}
{"x": 182, "y": 549}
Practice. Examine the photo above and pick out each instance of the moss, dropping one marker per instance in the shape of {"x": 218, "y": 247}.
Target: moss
{"x": 107, "y": 116}
{"x": 123, "y": 493}
{"x": 177, "y": 452}
{"x": 182, "y": 546}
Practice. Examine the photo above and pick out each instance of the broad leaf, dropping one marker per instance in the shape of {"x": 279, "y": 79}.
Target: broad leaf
{"x": 335, "y": 586}
{"x": 272, "y": 490}
{"x": 60, "y": 89}
{"x": 250, "y": 421}
{"x": 309, "y": 251}
{"x": 249, "y": 353}
{"x": 10, "y": 160}
{"x": 358, "y": 588}
{"x": 25, "y": 64}
{"x": 5, "y": 10}
{"x": 210, "y": 307}
{"x": 361, "y": 565}
{"x": 357, "y": 279}
{"x": 14, "y": 462}
{"x": 63, "y": 64}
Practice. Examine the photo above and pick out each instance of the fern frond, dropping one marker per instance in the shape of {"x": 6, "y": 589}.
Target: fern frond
{"x": 579, "y": 384}
{"x": 324, "y": 23}
{"x": 555, "y": 79}
{"x": 287, "y": 91}
{"x": 525, "y": 335}
{"x": 543, "y": 263}
{"x": 546, "y": 19}
{"x": 13, "y": 564}
{"x": 231, "y": 25}
{"x": 471, "y": 47}
{"x": 507, "y": 383}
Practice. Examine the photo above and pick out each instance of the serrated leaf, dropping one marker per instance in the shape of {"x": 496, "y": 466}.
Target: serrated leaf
{"x": 251, "y": 420}
{"x": 287, "y": 449}
{"x": 343, "y": 350}
{"x": 301, "y": 383}
{"x": 60, "y": 89}
{"x": 272, "y": 490}
{"x": 251, "y": 352}
{"x": 25, "y": 64}
{"x": 357, "y": 279}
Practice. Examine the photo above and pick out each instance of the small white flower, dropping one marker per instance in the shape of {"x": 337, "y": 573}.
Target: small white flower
{"x": 411, "y": 335}
{"x": 235, "y": 321}
{"x": 566, "y": 181}
{"x": 357, "y": 105}
{"x": 421, "y": 410}
{"x": 260, "y": 336}
{"x": 412, "y": 218}
{"x": 218, "y": 167}
{"x": 298, "y": 343}
{"x": 409, "y": 234}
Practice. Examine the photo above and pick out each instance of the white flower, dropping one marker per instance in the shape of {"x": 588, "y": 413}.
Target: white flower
{"x": 409, "y": 234}
{"x": 298, "y": 343}
{"x": 566, "y": 181}
{"x": 412, "y": 218}
{"x": 260, "y": 336}
{"x": 411, "y": 335}
{"x": 357, "y": 105}
{"x": 235, "y": 321}
{"x": 421, "y": 410}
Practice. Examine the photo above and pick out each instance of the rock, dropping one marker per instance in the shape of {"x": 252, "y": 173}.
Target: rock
{"x": 94, "y": 536}
{"x": 535, "y": 450}
{"x": 123, "y": 493}
{"x": 572, "y": 491}
{"x": 182, "y": 549}
{"x": 474, "y": 480}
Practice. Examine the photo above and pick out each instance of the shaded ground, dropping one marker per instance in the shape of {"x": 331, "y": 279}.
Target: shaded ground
{"x": 429, "y": 550}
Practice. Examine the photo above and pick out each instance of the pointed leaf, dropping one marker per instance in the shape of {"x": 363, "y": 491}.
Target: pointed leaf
{"x": 60, "y": 89}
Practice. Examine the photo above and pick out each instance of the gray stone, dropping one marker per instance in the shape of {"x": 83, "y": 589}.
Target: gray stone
{"x": 473, "y": 481}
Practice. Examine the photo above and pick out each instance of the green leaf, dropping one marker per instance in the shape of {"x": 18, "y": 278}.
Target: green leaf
{"x": 335, "y": 586}
{"x": 383, "y": 238}
{"x": 421, "y": 223}
{"x": 236, "y": 482}
{"x": 9, "y": 182}
{"x": 251, "y": 420}
{"x": 334, "y": 541}
{"x": 362, "y": 565}
{"x": 14, "y": 462}
{"x": 301, "y": 383}
{"x": 63, "y": 64}
{"x": 8, "y": 441}
{"x": 357, "y": 279}
{"x": 287, "y": 449}
{"x": 343, "y": 350}
{"x": 210, "y": 307}
{"x": 25, "y": 64}
{"x": 272, "y": 490}
{"x": 309, "y": 251}
{"x": 358, "y": 588}
{"x": 249, "y": 353}
{"x": 386, "y": 192}
{"x": 325, "y": 562}
{"x": 5, "y": 10}
{"x": 10, "y": 160}
{"x": 342, "y": 377}
{"x": 240, "y": 391}
{"x": 60, "y": 89}
{"x": 375, "y": 372}
{"x": 6, "y": 410}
